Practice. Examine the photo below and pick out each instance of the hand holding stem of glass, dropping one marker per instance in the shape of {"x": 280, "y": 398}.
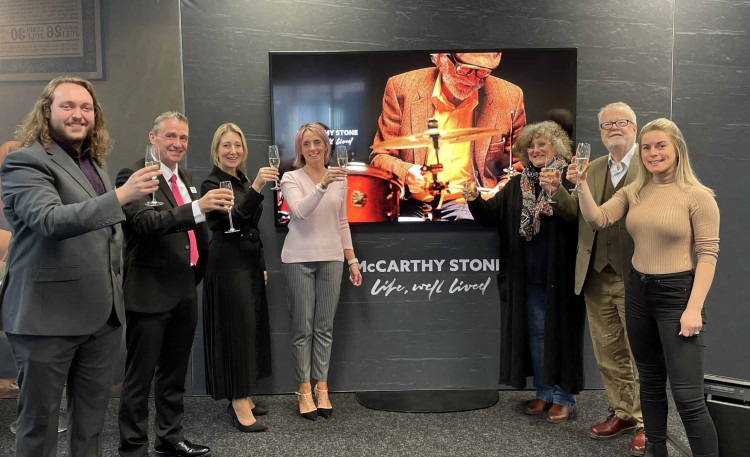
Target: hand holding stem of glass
{"x": 274, "y": 159}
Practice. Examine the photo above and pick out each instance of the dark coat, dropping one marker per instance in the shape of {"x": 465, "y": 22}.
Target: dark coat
{"x": 157, "y": 248}
{"x": 565, "y": 311}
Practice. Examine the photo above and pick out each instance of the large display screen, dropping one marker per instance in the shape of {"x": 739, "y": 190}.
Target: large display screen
{"x": 480, "y": 99}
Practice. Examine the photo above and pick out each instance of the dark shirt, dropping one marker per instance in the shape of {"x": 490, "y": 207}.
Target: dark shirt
{"x": 83, "y": 160}
{"x": 536, "y": 252}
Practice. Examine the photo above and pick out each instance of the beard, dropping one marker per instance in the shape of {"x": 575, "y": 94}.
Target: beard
{"x": 617, "y": 144}
{"x": 456, "y": 86}
{"x": 60, "y": 134}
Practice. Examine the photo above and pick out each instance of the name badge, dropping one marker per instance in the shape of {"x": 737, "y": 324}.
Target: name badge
{"x": 192, "y": 190}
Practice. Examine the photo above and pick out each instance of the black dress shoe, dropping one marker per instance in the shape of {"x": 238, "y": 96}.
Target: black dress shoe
{"x": 182, "y": 449}
{"x": 254, "y": 427}
{"x": 259, "y": 411}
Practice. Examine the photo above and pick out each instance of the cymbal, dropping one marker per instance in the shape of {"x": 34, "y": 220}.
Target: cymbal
{"x": 444, "y": 137}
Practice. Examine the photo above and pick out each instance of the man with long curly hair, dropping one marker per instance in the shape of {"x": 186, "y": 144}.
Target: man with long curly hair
{"x": 61, "y": 300}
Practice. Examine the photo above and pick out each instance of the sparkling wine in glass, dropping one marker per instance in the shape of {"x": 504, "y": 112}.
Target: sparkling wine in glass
{"x": 228, "y": 185}
{"x": 583, "y": 153}
{"x": 153, "y": 158}
{"x": 550, "y": 171}
{"x": 342, "y": 156}
{"x": 274, "y": 159}
{"x": 472, "y": 183}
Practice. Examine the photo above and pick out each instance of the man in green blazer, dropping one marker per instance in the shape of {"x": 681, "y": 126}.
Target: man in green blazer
{"x": 602, "y": 262}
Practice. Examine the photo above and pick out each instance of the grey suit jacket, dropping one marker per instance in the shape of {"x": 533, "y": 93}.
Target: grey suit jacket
{"x": 63, "y": 275}
{"x": 598, "y": 172}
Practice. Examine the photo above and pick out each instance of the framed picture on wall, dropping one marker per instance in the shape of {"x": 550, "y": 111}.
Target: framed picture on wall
{"x": 40, "y": 43}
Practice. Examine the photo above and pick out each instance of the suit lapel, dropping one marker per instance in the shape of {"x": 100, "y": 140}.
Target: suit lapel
{"x": 421, "y": 109}
{"x": 597, "y": 180}
{"x": 165, "y": 189}
{"x": 62, "y": 158}
{"x": 103, "y": 175}
{"x": 485, "y": 116}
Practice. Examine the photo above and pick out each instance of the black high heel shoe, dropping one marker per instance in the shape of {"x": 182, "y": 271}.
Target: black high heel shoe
{"x": 259, "y": 410}
{"x": 255, "y": 427}
{"x": 325, "y": 412}
{"x": 312, "y": 415}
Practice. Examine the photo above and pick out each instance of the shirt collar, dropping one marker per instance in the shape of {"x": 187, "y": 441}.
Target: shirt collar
{"x": 75, "y": 155}
{"x": 167, "y": 173}
{"x": 227, "y": 177}
{"x": 625, "y": 162}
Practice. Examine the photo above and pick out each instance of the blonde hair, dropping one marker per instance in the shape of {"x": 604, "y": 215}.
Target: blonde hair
{"x": 685, "y": 176}
{"x": 228, "y": 127}
{"x": 36, "y": 124}
{"x": 561, "y": 143}
{"x": 316, "y": 128}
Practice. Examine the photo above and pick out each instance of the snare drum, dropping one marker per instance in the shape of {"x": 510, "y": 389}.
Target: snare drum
{"x": 372, "y": 194}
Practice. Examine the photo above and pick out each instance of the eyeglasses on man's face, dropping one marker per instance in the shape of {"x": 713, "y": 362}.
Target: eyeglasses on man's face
{"x": 622, "y": 123}
{"x": 464, "y": 69}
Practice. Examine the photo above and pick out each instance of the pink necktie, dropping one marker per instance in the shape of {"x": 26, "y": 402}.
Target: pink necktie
{"x": 191, "y": 234}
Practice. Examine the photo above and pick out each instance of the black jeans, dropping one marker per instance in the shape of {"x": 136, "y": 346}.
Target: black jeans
{"x": 653, "y": 307}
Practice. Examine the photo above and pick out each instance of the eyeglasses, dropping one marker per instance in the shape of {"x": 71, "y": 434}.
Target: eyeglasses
{"x": 463, "y": 69}
{"x": 622, "y": 123}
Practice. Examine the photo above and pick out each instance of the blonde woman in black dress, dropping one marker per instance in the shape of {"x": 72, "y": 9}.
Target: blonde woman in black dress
{"x": 235, "y": 311}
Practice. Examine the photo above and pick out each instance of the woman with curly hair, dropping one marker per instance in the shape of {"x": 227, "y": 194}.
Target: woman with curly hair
{"x": 541, "y": 318}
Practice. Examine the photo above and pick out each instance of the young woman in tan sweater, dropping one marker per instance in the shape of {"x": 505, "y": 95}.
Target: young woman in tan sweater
{"x": 669, "y": 215}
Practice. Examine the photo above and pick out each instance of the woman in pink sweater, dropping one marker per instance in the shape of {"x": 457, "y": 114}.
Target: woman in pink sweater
{"x": 318, "y": 242}
{"x": 670, "y": 215}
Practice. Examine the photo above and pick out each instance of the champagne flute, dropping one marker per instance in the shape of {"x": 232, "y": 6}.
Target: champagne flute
{"x": 228, "y": 185}
{"x": 342, "y": 156}
{"x": 583, "y": 153}
{"x": 153, "y": 158}
{"x": 274, "y": 159}
{"x": 550, "y": 171}
{"x": 472, "y": 183}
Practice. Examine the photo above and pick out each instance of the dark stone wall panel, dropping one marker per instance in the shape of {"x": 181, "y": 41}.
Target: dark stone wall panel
{"x": 624, "y": 54}
{"x": 712, "y": 107}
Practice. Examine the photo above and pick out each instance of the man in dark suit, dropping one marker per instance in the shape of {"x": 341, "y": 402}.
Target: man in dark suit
{"x": 460, "y": 93}
{"x": 61, "y": 299}
{"x": 165, "y": 252}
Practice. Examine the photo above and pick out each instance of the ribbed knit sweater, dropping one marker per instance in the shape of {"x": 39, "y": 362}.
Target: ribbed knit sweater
{"x": 667, "y": 226}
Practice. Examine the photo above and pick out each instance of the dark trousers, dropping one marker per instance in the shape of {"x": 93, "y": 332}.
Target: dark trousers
{"x": 653, "y": 308}
{"x": 45, "y": 364}
{"x": 159, "y": 352}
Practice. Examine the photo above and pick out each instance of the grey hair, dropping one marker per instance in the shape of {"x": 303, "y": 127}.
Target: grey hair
{"x": 621, "y": 105}
{"x": 168, "y": 115}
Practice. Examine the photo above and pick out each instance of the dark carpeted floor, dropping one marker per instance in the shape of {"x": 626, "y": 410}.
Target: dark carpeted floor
{"x": 502, "y": 430}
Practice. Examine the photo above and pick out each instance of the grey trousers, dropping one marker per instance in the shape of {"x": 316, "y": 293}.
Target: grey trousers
{"x": 312, "y": 290}
{"x": 44, "y": 365}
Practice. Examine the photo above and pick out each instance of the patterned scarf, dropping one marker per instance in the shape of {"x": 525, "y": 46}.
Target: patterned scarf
{"x": 532, "y": 207}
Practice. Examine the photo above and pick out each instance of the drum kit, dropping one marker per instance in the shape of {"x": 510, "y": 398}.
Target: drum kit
{"x": 374, "y": 195}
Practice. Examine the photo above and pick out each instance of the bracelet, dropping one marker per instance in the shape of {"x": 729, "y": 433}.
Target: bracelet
{"x": 353, "y": 261}
{"x": 320, "y": 184}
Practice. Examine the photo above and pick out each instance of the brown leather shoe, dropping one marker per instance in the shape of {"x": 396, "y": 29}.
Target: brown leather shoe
{"x": 612, "y": 427}
{"x": 558, "y": 413}
{"x": 537, "y": 406}
{"x": 638, "y": 445}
